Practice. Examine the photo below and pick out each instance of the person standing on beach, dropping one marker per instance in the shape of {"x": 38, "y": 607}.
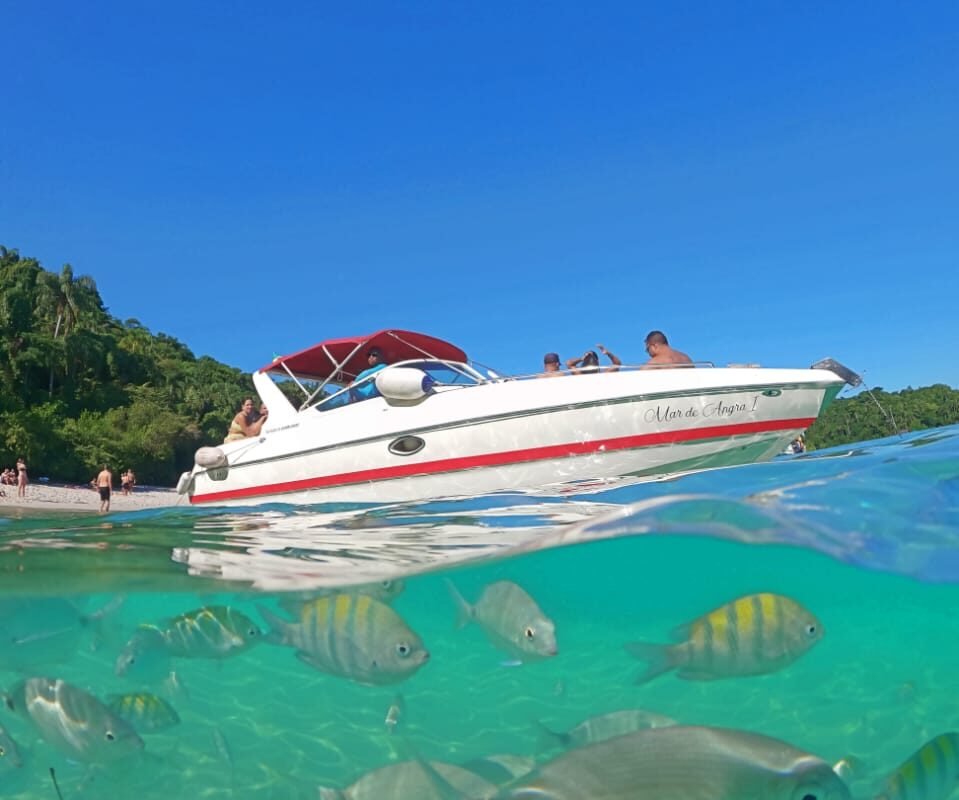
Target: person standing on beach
{"x": 21, "y": 478}
{"x": 104, "y": 482}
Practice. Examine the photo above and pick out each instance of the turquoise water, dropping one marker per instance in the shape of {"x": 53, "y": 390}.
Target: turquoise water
{"x": 864, "y": 536}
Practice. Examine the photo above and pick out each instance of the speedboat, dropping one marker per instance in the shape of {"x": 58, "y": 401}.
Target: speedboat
{"x": 434, "y": 424}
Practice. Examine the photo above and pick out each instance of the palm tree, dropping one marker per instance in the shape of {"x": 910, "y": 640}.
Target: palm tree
{"x": 73, "y": 299}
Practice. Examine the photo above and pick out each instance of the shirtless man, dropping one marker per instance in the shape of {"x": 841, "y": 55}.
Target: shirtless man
{"x": 551, "y": 367}
{"x": 104, "y": 482}
{"x": 661, "y": 353}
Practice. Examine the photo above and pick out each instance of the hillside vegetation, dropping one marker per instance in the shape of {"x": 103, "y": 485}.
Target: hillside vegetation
{"x": 79, "y": 388}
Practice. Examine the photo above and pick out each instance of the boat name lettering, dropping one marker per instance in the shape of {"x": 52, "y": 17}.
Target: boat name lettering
{"x": 720, "y": 408}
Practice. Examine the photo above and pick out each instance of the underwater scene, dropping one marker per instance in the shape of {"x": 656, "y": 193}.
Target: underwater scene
{"x": 785, "y": 630}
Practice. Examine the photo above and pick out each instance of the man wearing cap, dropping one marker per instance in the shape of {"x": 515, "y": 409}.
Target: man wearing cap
{"x": 552, "y": 367}
{"x": 376, "y": 362}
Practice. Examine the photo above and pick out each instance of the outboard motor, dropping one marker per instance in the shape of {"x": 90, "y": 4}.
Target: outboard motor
{"x": 850, "y": 377}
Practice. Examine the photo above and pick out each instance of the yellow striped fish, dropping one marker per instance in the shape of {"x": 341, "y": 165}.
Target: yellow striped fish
{"x": 145, "y": 712}
{"x": 210, "y": 632}
{"x": 931, "y": 773}
{"x": 751, "y": 635}
{"x": 351, "y": 635}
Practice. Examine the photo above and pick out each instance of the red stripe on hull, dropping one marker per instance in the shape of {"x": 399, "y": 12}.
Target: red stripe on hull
{"x": 508, "y": 457}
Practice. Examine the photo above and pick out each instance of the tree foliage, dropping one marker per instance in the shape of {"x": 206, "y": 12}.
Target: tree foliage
{"x": 79, "y": 388}
{"x": 876, "y": 414}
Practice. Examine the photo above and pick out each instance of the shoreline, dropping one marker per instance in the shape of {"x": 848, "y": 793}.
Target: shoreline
{"x": 65, "y": 497}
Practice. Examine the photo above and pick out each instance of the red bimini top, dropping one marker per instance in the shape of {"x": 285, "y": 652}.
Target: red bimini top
{"x": 341, "y": 360}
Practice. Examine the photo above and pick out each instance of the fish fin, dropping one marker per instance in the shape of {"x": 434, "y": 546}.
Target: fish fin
{"x": 306, "y": 658}
{"x": 277, "y": 634}
{"x": 550, "y": 739}
{"x": 464, "y": 611}
{"x": 656, "y": 656}
{"x": 697, "y": 675}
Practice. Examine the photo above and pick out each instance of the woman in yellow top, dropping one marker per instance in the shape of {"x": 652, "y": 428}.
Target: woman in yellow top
{"x": 245, "y": 423}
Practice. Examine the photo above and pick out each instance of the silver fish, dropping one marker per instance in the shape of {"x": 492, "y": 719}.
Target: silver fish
{"x": 9, "y": 752}
{"x": 37, "y": 632}
{"x": 683, "y": 763}
{"x": 145, "y": 657}
{"x": 394, "y": 712}
{"x": 353, "y": 636}
{"x": 931, "y": 773}
{"x": 73, "y": 721}
{"x": 511, "y": 619}
{"x": 414, "y": 780}
{"x": 606, "y": 726}
{"x": 501, "y": 768}
{"x": 751, "y": 635}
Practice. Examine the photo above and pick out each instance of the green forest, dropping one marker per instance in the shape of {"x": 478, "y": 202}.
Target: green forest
{"x": 80, "y": 388}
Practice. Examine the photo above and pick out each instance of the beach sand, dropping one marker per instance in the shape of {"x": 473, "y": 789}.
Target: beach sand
{"x": 55, "y": 497}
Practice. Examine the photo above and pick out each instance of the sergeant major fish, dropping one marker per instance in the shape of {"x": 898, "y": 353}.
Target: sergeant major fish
{"x": 931, "y": 773}
{"x": 511, "y": 620}
{"x": 751, "y": 635}
{"x": 73, "y": 721}
{"x": 146, "y": 712}
{"x": 682, "y": 763}
{"x": 210, "y": 632}
{"x": 353, "y": 636}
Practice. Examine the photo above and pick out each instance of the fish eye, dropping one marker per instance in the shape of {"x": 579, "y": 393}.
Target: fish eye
{"x": 252, "y": 632}
{"x": 530, "y": 633}
{"x": 402, "y": 649}
{"x": 386, "y": 584}
{"x": 110, "y": 737}
{"x": 3, "y": 750}
{"x": 811, "y": 630}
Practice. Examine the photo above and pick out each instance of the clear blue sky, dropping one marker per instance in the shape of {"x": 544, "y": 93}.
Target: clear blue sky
{"x": 771, "y": 182}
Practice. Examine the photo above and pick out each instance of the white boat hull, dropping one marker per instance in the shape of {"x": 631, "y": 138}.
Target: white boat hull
{"x": 523, "y": 434}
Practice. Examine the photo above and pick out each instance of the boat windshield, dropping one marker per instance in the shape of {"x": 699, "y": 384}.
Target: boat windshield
{"x": 443, "y": 373}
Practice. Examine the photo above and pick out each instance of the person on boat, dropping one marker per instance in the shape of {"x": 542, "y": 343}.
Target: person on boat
{"x": 657, "y": 346}
{"x": 376, "y": 362}
{"x": 245, "y": 423}
{"x": 551, "y": 366}
{"x": 589, "y": 362}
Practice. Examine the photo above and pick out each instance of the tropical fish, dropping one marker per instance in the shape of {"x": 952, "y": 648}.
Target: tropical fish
{"x": 511, "y": 619}
{"x": 752, "y": 635}
{"x": 145, "y": 657}
{"x": 394, "y": 712}
{"x": 73, "y": 721}
{"x": 407, "y": 780}
{"x": 385, "y": 591}
{"x": 144, "y": 711}
{"x": 682, "y": 763}
{"x": 501, "y": 768}
{"x": 211, "y": 632}
{"x": 931, "y": 773}
{"x": 37, "y": 632}
{"x": 353, "y": 636}
{"x": 606, "y": 726}
{"x": 9, "y": 752}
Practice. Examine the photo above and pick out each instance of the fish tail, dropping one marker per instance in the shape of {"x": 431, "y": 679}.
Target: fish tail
{"x": 277, "y": 634}
{"x": 464, "y": 611}
{"x": 550, "y": 739}
{"x": 656, "y": 656}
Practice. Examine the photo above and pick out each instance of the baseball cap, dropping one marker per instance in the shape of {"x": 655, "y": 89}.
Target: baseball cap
{"x": 551, "y": 358}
